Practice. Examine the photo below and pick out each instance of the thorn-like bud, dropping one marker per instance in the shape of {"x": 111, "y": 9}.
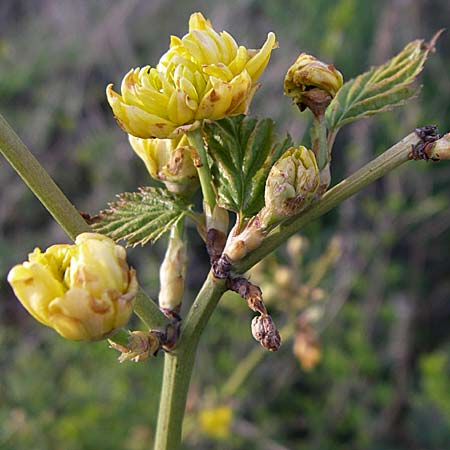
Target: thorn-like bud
{"x": 172, "y": 274}
{"x": 169, "y": 161}
{"x": 290, "y": 187}
{"x": 312, "y": 83}
{"x": 84, "y": 291}
{"x": 266, "y": 333}
{"x": 141, "y": 346}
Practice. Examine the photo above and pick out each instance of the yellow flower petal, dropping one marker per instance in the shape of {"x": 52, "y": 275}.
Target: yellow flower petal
{"x": 258, "y": 63}
{"x": 84, "y": 291}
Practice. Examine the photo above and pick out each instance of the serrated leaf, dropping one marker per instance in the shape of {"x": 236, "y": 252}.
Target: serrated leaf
{"x": 243, "y": 151}
{"x": 382, "y": 88}
{"x": 140, "y": 217}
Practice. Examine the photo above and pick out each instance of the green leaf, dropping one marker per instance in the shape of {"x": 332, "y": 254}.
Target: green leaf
{"x": 243, "y": 151}
{"x": 140, "y": 217}
{"x": 382, "y": 88}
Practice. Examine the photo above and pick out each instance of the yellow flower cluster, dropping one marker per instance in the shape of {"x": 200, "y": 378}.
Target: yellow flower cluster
{"x": 203, "y": 75}
{"x": 84, "y": 291}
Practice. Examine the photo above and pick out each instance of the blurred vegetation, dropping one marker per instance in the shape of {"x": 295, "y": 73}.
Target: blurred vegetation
{"x": 383, "y": 378}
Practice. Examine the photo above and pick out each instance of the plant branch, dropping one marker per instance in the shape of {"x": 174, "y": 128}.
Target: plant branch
{"x": 61, "y": 209}
{"x": 179, "y": 363}
{"x": 196, "y": 140}
{"x": 389, "y": 160}
{"x": 319, "y": 141}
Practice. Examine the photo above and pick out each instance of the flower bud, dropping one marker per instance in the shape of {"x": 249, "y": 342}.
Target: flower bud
{"x": 84, "y": 291}
{"x": 172, "y": 274}
{"x": 141, "y": 346}
{"x": 266, "y": 333}
{"x": 250, "y": 238}
{"x": 290, "y": 186}
{"x": 306, "y": 77}
{"x": 169, "y": 161}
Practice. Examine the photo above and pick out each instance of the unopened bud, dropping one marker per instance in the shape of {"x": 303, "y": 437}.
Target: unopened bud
{"x": 141, "y": 346}
{"x": 172, "y": 274}
{"x": 169, "y": 161}
{"x": 290, "y": 186}
{"x": 250, "y": 238}
{"x": 312, "y": 83}
{"x": 266, "y": 333}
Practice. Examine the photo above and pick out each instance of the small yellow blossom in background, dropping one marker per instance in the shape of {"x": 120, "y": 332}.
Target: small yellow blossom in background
{"x": 204, "y": 75}
{"x": 307, "y": 349}
{"x": 169, "y": 161}
{"x": 216, "y": 422}
{"x": 84, "y": 291}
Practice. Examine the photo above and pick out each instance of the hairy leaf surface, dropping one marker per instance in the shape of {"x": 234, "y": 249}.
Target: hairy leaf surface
{"x": 243, "y": 151}
{"x": 140, "y": 217}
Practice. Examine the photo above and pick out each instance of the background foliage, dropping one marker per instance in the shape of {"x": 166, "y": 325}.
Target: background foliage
{"x": 383, "y": 381}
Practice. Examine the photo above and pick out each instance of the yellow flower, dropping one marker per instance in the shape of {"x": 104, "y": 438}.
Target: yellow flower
{"x": 84, "y": 291}
{"x": 308, "y": 73}
{"x": 216, "y": 422}
{"x": 169, "y": 161}
{"x": 205, "y": 74}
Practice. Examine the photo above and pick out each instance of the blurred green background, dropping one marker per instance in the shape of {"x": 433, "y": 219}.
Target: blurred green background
{"x": 383, "y": 380}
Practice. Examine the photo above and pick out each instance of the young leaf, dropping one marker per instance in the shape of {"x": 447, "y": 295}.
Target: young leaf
{"x": 381, "y": 88}
{"x": 140, "y": 217}
{"x": 243, "y": 151}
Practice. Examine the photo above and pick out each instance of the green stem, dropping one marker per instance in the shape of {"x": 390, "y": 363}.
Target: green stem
{"x": 178, "y": 366}
{"x": 388, "y": 161}
{"x": 196, "y": 140}
{"x": 61, "y": 209}
{"x": 319, "y": 141}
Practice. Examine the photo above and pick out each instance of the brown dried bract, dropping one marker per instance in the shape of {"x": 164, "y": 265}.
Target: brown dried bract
{"x": 423, "y": 150}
